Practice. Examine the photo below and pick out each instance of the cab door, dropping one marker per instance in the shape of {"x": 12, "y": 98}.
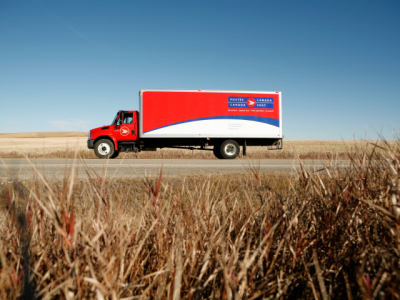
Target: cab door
{"x": 125, "y": 128}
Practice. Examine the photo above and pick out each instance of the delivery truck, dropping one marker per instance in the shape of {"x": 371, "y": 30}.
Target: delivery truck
{"x": 213, "y": 120}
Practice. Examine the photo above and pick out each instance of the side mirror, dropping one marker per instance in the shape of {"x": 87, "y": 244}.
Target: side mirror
{"x": 120, "y": 118}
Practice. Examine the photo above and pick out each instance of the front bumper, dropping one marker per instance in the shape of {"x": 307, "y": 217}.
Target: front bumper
{"x": 90, "y": 144}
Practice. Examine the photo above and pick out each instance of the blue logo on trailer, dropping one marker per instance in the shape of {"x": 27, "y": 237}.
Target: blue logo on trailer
{"x": 251, "y": 102}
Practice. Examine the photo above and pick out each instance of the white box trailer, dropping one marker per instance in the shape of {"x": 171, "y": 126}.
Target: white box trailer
{"x": 202, "y": 113}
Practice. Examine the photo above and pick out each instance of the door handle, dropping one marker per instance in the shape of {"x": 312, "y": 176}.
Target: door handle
{"x": 133, "y": 132}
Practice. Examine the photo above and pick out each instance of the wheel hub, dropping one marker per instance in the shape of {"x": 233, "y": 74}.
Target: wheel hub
{"x": 104, "y": 149}
{"x": 230, "y": 149}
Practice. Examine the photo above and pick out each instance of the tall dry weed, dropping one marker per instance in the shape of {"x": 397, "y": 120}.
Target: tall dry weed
{"x": 333, "y": 233}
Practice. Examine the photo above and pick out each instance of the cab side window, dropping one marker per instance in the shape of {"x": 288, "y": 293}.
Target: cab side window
{"x": 128, "y": 118}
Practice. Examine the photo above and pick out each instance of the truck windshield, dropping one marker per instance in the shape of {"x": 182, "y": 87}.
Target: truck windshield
{"x": 115, "y": 119}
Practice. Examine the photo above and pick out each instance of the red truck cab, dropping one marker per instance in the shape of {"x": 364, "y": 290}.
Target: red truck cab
{"x": 121, "y": 135}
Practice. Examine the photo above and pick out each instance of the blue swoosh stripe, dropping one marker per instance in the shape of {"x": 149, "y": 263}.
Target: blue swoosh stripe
{"x": 270, "y": 121}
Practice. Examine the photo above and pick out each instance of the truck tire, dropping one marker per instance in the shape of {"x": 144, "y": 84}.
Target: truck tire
{"x": 116, "y": 153}
{"x": 104, "y": 148}
{"x": 229, "y": 149}
{"x": 217, "y": 151}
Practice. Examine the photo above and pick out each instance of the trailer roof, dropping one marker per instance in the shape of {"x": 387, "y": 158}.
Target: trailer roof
{"x": 207, "y": 91}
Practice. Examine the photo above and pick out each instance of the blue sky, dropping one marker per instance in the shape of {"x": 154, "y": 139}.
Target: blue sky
{"x": 71, "y": 65}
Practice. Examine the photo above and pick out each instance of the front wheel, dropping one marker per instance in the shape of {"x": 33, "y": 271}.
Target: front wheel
{"x": 116, "y": 153}
{"x": 104, "y": 149}
{"x": 229, "y": 149}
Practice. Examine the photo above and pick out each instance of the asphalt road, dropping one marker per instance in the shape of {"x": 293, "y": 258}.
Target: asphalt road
{"x": 58, "y": 168}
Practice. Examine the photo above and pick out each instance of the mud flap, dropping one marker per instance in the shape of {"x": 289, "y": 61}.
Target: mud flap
{"x": 278, "y": 145}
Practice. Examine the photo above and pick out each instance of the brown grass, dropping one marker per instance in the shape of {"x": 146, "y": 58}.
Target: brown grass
{"x": 324, "y": 235}
{"x": 58, "y": 147}
{"x": 23, "y": 135}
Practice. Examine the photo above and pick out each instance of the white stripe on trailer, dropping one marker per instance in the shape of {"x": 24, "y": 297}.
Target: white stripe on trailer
{"x": 225, "y": 128}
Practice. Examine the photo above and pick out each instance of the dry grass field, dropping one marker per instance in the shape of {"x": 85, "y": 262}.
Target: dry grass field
{"x": 65, "y": 144}
{"x": 315, "y": 235}
{"x": 57, "y": 134}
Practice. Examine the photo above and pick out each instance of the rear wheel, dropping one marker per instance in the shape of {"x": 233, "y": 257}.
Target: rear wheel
{"x": 104, "y": 148}
{"x": 229, "y": 149}
{"x": 217, "y": 151}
